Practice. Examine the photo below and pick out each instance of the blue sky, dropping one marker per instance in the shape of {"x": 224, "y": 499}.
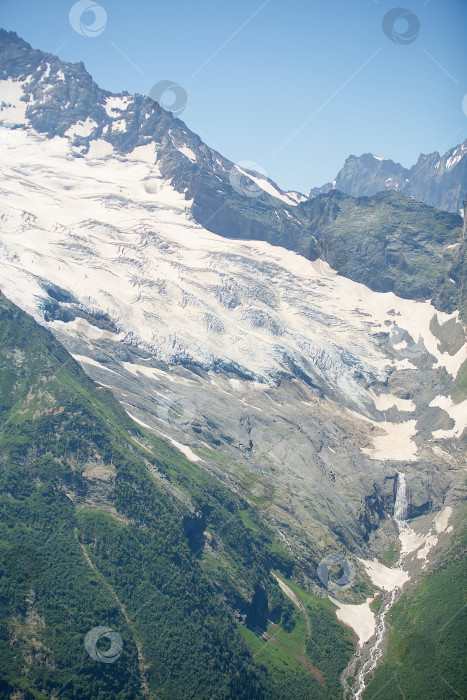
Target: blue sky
{"x": 294, "y": 86}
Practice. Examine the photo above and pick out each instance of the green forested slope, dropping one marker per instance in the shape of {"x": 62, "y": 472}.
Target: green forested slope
{"x": 101, "y": 524}
{"x": 426, "y": 657}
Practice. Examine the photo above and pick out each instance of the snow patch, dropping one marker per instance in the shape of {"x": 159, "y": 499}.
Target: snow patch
{"x": 453, "y": 160}
{"x": 458, "y": 413}
{"x": 99, "y": 149}
{"x": 268, "y": 187}
{"x": 88, "y": 360}
{"x": 188, "y": 153}
{"x": 359, "y": 617}
{"x": 184, "y": 449}
{"x": 12, "y": 108}
{"x": 116, "y": 104}
{"x": 396, "y": 444}
{"x": 384, "y": 577}
{"x": 119, "y": 125}
{"x": 441, "y": 520}
{"x": 383, "y": 402}
{"x": 81, "y": 128}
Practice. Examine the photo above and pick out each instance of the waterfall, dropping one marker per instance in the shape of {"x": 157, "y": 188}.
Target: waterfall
{"x": 401, "y": 506}
{"x": 375, "y": 651}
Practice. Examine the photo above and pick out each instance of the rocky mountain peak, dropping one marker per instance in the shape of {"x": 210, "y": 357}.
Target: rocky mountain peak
{"x": 440, "y": 181}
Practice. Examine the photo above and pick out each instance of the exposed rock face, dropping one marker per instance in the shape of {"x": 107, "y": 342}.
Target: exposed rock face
{"x": 440, "y": 181}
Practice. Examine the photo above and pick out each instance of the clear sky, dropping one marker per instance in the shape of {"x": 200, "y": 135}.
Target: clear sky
{"x": 294, "y": 86}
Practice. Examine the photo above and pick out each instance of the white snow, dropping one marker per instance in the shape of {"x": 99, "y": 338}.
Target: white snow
{"x": 114, "y": 233}
{"x": 421, "y": 543}
{"x": 296, "y": 196}
{"x": 377, "y": 157}
{"x": 384, "y": 577}
{"x": 115, "y": 105}
{"x": 186, "y": 150}
{"x": 442, "y": 519}
{"x": 269, "y": 187}
{"x": 396, "y": 443}
{"x": 144, "y": 154}
{"x": 184, "y": 449}
{"x": 150, "y": 372}
{"x": 46, "y": 73}
{"x": 12, "y": 108}
{"x": 81, "y": 128}
{"x": 359, "y": 617}
{"x": 456, "y": 157}
{"x": 385, "y": 401}
{"x": 458, "y": 413}
{"x": 409, "y": 539}
{"x": 119, "y": 125}
{"x": 99, "y": 148}
{"x": 88, "y": 360}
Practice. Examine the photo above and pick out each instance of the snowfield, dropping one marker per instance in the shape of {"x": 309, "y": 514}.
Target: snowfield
{"x": 120, "y": 239}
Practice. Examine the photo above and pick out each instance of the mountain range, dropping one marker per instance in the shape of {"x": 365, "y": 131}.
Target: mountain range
{"x": 217, "y": 389}
{"x": 440, "y": 181}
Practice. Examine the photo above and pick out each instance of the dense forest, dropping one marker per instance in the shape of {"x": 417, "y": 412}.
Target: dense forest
{"x": 105, "y": 526}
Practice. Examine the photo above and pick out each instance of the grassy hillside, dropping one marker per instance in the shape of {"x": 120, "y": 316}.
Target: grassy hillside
{"x": 104, "y": 525}
{"x": 427, "y": 651}
{"x": 307, "y": 651}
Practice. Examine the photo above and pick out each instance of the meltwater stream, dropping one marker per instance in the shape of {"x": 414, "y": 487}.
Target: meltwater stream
{"x": 401, "y": 507}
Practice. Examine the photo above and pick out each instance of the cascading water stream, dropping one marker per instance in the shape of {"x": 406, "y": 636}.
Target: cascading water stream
{"x": 401, "y": 509}
{"x": 401, "y": 506}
